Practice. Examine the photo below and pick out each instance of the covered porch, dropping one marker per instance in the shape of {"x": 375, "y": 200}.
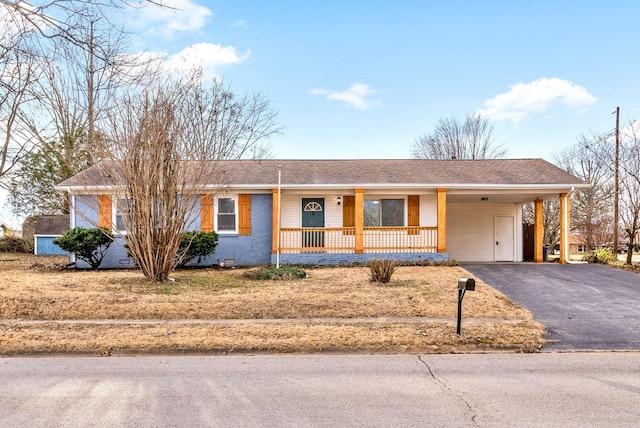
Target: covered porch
{"x": 344, "y": 238}
{"x": 357, "y": 242}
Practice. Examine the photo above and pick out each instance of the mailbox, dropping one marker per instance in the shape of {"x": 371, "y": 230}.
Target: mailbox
{"x": 466, "y": 284}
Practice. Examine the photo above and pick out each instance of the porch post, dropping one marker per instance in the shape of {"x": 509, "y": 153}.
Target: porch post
{"x": 538, "y": 232}
{"x": 359, "y": 207}
{"x": 564, "y": 227}
{"x": 442, "y": 220}
{"x": 274, "y": 222}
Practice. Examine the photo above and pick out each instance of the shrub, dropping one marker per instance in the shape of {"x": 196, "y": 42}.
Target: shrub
{"x": 196, "y": 244}
{"x": 89, "y": 245}
{"x": 603, "y": 256}
{"x": 11, "y": 244}
{"x": 283, "y": 273}
{"x": 381, "y": 270}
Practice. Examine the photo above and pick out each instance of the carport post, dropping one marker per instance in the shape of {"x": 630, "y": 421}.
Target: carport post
{"x": 538, "y": 232}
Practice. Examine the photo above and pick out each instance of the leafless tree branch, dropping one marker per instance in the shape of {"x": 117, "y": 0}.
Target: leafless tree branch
{"x": 451, "y": 139}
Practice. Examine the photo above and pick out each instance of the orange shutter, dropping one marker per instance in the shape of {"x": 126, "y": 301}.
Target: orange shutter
{"x": 244, "y": 211}
{"x": 104, "y": 211}
{"x": 349, "y": 213}
{"x": 206, "y": 213}
{"x": 413, "y": 213}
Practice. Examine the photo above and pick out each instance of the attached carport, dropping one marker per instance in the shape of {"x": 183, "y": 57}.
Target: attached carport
{"x": 583, "y": 306}
{"x": 484, "y": 222}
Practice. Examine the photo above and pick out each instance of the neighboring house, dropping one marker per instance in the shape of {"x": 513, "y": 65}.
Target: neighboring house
{"x": 343, "y": 211}
{"x": 48, "y": 228}
{"x": 577, "y": 244}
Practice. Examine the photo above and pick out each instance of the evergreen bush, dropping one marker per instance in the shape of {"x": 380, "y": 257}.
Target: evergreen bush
{"x": 196, "y": 244}
{"x": 87, "y": 244}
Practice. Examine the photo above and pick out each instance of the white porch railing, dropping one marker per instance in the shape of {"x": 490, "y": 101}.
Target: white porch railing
{"x": 413, "y": 239}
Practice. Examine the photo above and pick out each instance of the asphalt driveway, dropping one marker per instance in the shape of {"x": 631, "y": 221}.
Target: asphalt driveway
{"x": 583, "y": 306}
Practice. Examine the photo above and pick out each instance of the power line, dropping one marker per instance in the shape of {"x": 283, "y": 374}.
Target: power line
{"x": 570, "y": 153}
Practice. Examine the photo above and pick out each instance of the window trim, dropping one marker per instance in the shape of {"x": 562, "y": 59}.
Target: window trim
{"x": 114, "y": 216}
{"x": 404, "y": 209}
{"x": 216, "y": 213}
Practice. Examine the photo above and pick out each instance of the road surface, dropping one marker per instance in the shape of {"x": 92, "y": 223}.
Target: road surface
{"x": 481, "y": 390}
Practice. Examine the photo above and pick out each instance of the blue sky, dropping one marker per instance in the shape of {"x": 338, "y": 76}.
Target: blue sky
{"x": 364, "y": 79}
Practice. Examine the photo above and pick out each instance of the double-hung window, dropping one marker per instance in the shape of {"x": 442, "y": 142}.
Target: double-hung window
{"x": 121, "y": 215}
{"x": 226, "y": 214}
{"x": 383, "y": 212}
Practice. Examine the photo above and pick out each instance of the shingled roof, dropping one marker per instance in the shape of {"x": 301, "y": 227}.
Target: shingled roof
{"x": 363, "y": 173}
{"x": 52, "y": 225}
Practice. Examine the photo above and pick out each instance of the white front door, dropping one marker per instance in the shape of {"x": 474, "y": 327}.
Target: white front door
{"x": 503, "y": 226}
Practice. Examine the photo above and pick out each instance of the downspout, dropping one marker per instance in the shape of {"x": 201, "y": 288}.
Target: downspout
{"x": 279, "y": 225}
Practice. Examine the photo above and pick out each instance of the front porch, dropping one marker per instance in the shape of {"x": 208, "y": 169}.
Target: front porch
{"x": 340, "y": 245}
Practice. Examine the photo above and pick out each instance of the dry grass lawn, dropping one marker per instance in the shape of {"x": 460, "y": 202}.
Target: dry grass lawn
{"x": 46, "y": 309}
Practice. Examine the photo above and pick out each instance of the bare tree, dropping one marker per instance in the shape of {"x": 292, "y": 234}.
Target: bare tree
{"x": 32, "y": 186}
{"x": 550, "y": 220}
{"x": 78, "y": 83}
{"x": 630, "y": 186}
{"x": 452, "y": 139}
{"x": 591, "y": 160}
{"x": 53, "y": 19}
{"x": 18, "y": 71}
{"x": 168, "y": 142}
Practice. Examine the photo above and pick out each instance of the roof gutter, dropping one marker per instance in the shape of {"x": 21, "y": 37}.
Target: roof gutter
{"x": 302, "y": 186}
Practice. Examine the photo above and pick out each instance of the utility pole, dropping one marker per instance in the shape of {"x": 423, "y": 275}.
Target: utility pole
{"x": 616, "y": 186}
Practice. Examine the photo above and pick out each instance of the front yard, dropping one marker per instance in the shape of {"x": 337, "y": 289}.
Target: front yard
{"x": 47, "y": 309}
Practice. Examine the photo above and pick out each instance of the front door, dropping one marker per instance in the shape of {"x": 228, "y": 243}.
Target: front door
{"x": 313, "y": 217}
{"x": 504, "y": 238}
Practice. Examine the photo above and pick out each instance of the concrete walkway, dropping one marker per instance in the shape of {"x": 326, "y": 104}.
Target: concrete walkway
{"x": 583, "y": 306}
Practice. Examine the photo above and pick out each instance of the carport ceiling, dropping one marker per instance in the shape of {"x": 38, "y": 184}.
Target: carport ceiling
{"x": 501, "y": 196}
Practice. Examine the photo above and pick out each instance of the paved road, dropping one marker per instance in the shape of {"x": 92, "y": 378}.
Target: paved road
{"x": 583, "y": 306}
{"x": 482, "y": 390}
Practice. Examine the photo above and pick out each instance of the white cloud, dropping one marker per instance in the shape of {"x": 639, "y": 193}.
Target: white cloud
{"x": 357, "y": 96}
{"x": 208, "y": 56}
{"x": 179, "y": 16}
{"x": 538, "y": 96}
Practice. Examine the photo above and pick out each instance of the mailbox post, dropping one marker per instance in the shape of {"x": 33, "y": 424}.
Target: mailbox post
{"x": 464, "y": 284}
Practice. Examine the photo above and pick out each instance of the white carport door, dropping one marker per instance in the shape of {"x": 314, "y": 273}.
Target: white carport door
{"x": 504, "y": 238}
